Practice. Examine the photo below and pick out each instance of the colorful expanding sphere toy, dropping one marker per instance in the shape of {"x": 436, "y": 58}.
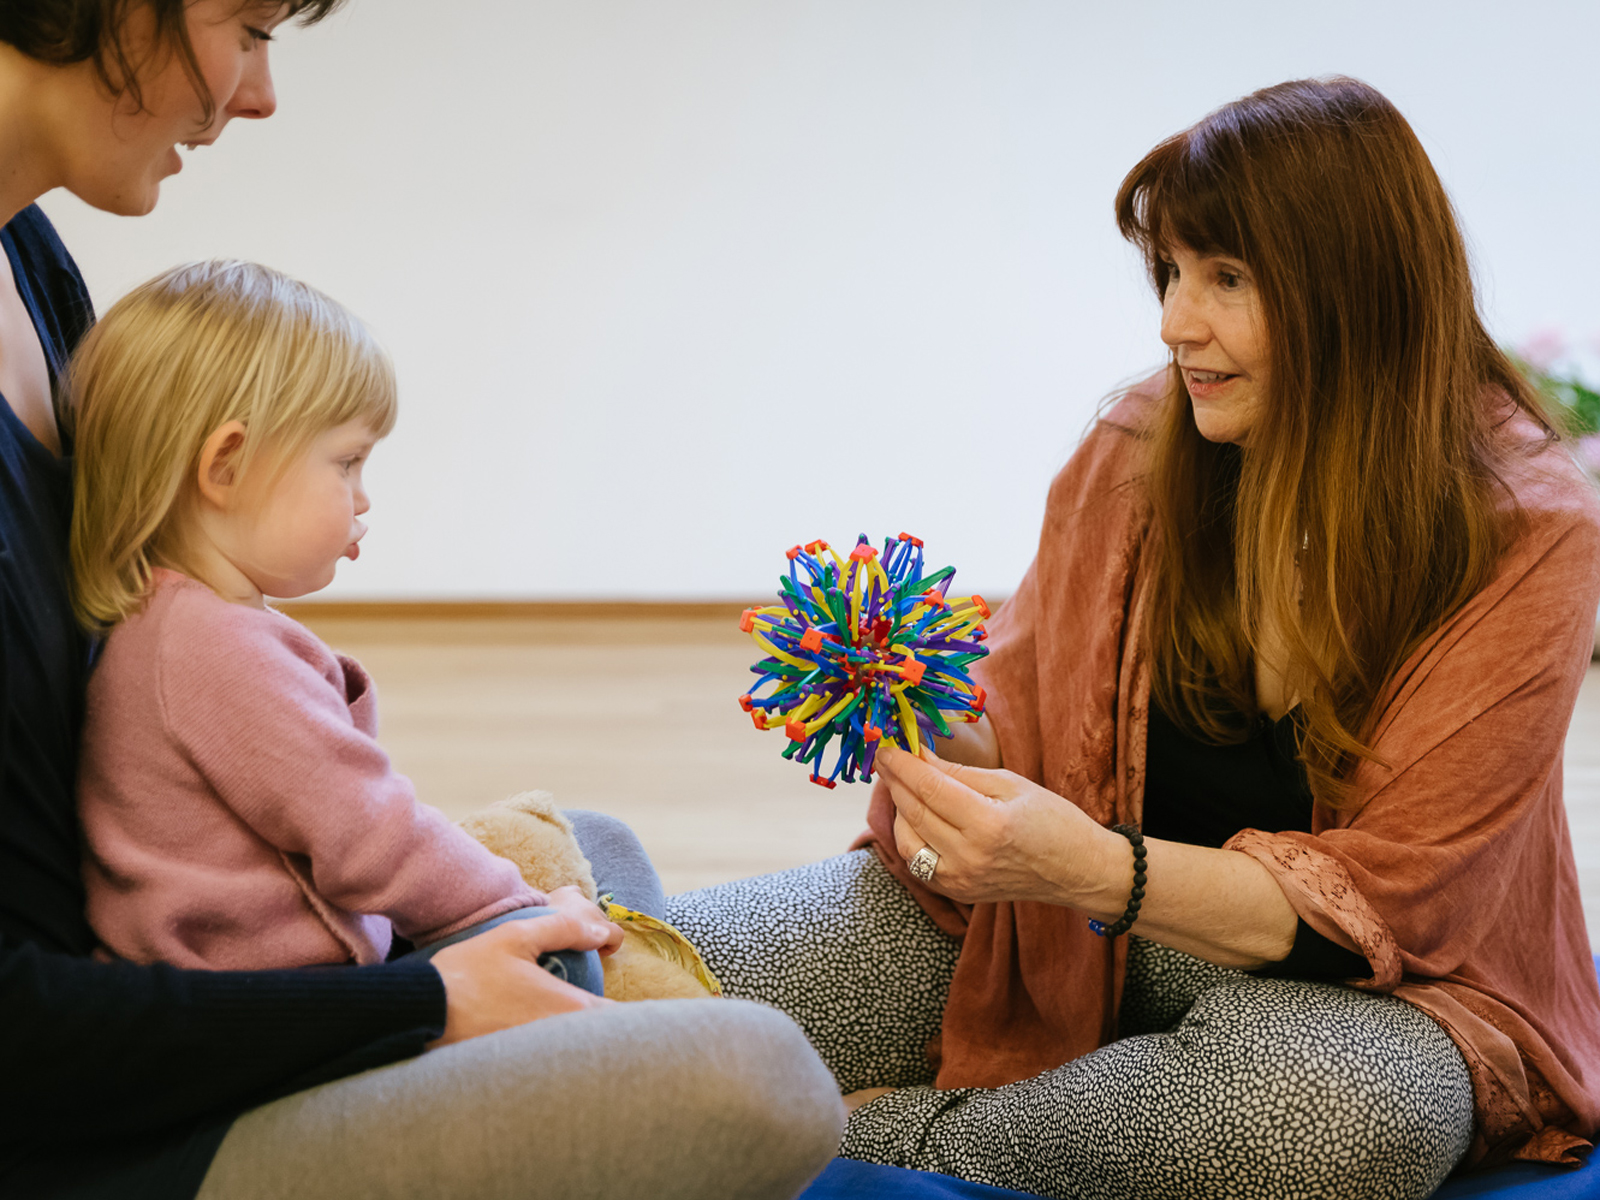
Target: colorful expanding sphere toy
{"x": 864, "y": 649}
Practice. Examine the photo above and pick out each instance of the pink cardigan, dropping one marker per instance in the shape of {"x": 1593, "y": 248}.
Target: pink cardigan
{"x": 1452, "y": 872}
{"x": 237, "y": 812}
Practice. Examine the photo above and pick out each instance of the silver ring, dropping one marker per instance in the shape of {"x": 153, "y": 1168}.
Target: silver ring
{"x": 924, "y": 863}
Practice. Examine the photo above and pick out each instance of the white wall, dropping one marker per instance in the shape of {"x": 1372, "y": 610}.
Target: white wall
{"x": 673, "y": 284}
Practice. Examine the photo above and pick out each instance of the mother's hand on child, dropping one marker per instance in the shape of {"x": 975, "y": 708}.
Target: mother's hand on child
{"x": 586, "y": 922}
{"x": 494, "y": 981}
{"x": 998, "y": 836}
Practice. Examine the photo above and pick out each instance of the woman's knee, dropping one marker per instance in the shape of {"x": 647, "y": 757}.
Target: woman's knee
{"x": 1351, "y": 1094}
{"x": 621, "y": 865}
{"x": 673, "y": 1099}
{"x": 762, "y": 1110}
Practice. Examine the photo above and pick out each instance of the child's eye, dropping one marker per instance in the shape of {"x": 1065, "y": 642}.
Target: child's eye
{"x": 258, "y": 35}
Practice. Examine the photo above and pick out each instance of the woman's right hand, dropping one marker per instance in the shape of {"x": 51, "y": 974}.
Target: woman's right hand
{"x": 494, "y": 981}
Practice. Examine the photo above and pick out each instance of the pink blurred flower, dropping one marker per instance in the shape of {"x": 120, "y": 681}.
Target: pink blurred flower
{"x": 1542, "y": 348}
{"x": 1589, "y": 452}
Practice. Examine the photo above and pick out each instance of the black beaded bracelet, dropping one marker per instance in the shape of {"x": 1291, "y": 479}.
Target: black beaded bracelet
{"x": 1131, "y": 913}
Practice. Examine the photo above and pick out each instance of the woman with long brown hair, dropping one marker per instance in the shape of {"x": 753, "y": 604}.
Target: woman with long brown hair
{"x": 1284, "y": 693}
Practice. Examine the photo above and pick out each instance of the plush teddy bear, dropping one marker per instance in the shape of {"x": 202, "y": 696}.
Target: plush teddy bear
{"x": 655, "y": 961}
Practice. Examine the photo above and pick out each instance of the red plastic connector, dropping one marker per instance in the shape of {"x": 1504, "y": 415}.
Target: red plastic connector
{"x": 760, "y": 719}
{"x": 745, "y": 703}
{"x": 821, "y": 782}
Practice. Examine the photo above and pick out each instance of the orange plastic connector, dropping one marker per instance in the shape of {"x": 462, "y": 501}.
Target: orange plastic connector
{"x": 792, "y": 553}
{"x": 915, "y": 541}
{"x": 816, "y": 547}
{"x": 913, "y": 670}
{"x": 745, "y": 703}
{"x": 811, "y": 640}
{"x": 821, "y": 782}
{"x": 982, "y": 607}
{"x": 760, "y": 719}
{"x": 979, "y": 699}
{"x": 871, "y": 733}
{"x": 863, "y": 553}
{"x": 747, "y": 620}
{"x": 932, "y": 596}
{"x": 796, "y": 730}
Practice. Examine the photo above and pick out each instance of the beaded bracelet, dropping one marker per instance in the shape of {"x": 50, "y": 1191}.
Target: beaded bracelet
{"x": 1131, "y": 914}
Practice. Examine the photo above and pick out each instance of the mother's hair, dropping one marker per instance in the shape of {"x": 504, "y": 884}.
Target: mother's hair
{"x": 1367, "y": 508}
{"x": 73, "y": 31}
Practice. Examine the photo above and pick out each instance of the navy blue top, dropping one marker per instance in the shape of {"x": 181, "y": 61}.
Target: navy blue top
{"x": 1203, "y": 793}
{"x": 119, "y": 1080}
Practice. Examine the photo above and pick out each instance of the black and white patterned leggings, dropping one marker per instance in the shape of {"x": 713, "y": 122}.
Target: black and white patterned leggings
{"x": 1223, "y": 1084}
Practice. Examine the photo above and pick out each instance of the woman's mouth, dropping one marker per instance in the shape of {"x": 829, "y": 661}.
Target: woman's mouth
{"x": 1203, "y": 385}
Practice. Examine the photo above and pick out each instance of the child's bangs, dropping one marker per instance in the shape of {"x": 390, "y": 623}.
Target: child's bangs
{"x": 328, "y": 370}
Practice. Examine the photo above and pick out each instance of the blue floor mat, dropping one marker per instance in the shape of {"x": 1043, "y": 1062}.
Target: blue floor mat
{"x": 846, "y": 1179}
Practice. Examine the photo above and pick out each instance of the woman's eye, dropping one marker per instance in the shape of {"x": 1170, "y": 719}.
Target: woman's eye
{"x": 1229, "y": 279}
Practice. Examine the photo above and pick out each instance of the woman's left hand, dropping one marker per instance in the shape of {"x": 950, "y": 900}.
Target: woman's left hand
{"x": 998, "y": 836}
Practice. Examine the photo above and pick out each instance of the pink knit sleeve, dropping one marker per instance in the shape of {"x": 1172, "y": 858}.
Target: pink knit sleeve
{"x": 261, "y": 708}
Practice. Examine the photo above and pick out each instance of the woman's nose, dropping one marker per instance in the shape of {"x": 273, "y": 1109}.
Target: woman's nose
{"x": 255, "y": 97}
{"x": 1182, "y": 323}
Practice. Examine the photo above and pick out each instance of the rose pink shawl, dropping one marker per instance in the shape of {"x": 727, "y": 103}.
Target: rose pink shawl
{"x": 1452, "y": 871}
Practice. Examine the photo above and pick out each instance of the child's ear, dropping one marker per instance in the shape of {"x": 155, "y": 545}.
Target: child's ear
{"x": 219, "y": 463}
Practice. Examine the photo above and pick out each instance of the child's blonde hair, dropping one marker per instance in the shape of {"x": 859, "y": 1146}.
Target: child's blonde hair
{"x": 173, "y": 361}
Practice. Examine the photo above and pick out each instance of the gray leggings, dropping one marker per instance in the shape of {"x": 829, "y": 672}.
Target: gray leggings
{"x": 1223, "y": 1084}
{"x": 670, "y": 1099}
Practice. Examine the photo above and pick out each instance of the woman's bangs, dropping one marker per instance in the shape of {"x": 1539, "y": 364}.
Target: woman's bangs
{"x": 1195, "y": 207}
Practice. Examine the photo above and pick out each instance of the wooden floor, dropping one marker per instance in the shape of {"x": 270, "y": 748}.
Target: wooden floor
{"x": 638, "y": 717}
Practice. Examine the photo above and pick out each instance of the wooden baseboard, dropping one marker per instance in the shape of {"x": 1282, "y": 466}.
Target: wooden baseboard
{"x": 517, "y": 610}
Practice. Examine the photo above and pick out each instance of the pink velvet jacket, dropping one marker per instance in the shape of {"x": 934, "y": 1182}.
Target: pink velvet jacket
{"x": 237, "y": 812}
{"x": 1452, "y": 871}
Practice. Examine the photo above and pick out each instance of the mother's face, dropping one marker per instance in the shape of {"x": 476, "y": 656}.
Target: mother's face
{"x": 116, "y": 158}
{"x": 1211, "y": 317}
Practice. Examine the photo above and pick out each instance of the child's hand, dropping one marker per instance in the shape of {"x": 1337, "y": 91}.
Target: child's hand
{"x": 588, "y": 921}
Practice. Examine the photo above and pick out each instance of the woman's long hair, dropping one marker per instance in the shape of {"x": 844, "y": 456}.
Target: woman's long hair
{"x": 1365, "y": 510}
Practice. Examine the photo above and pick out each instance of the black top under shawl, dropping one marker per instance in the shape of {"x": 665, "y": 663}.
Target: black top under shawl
{"x": 1203, "y": 793}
